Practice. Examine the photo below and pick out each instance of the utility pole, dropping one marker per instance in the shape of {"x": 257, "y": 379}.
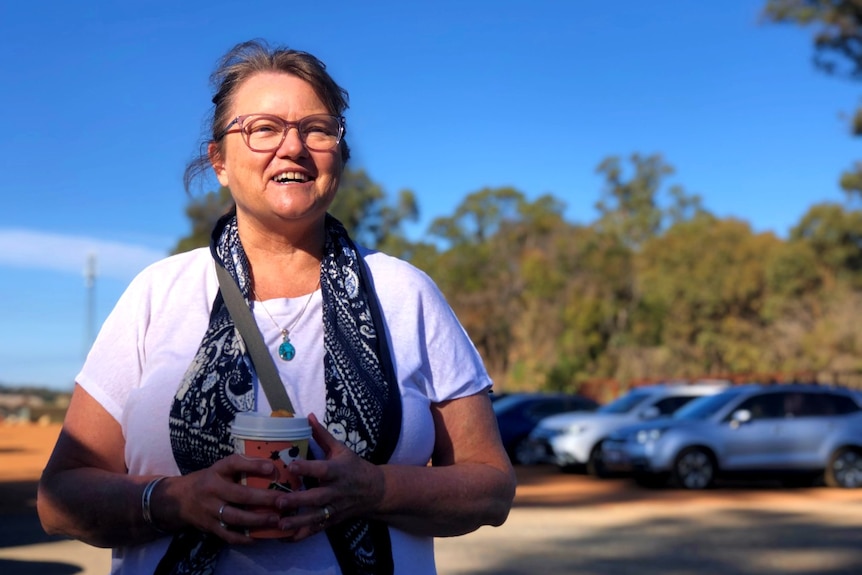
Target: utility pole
{"x": 90, "y": 285}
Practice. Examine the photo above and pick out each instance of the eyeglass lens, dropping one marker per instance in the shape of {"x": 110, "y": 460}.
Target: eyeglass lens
{"x": 266, "y": 133}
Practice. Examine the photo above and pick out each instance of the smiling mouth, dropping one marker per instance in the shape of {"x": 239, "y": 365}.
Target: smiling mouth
{"x": 290, "y": 178}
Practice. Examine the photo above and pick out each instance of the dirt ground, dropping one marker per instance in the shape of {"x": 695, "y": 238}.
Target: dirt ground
{"x": 24, "y": 450}
{"x": 560, "y": 524}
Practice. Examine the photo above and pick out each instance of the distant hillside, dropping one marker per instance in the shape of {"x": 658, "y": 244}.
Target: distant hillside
{"x": 26, "y": 403}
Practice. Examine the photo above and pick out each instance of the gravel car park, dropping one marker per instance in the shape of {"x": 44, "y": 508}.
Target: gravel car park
{"x": 573, "y": 440}
{"x": 793, "y": 432}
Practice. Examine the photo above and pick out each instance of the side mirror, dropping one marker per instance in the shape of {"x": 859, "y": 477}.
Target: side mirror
{"x": 650, "y": 412}
{"x": 740, "y": 417}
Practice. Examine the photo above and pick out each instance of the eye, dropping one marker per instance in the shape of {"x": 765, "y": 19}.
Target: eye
{"x": 264, "y": 126}
{"x": 320, "y": 125}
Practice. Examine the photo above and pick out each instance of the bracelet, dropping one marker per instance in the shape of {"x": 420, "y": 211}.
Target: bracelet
{"x": 145, "y": 503}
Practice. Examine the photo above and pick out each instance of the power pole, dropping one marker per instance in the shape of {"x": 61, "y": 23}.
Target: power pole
{"x": 90, "y": 285}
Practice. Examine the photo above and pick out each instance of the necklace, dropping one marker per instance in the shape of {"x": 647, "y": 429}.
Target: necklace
{"x": 286, "y": 350}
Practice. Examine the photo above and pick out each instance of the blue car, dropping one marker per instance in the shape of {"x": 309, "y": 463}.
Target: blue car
{"x": 792, "y": 432}
{"x": 518, "y": 413}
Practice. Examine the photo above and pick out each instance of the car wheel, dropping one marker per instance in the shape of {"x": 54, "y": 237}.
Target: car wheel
{"x": 694, "y": 468}
{"x": 595, "y": 464}
{"x": 845, "y": 468}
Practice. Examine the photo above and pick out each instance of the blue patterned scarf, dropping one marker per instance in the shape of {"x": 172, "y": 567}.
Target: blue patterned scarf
{"x": 362, "y": 397}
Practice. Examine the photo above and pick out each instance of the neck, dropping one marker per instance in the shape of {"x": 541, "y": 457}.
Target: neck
{"x": 283, "y": 265}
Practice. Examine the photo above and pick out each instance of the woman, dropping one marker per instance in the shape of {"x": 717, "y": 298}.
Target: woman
{"x": 144, "y": 462}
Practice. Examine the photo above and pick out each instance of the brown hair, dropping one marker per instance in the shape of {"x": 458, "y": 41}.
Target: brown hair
{"x": 244, "y": 61}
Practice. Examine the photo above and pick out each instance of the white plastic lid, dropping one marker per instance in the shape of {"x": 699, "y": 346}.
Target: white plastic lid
{"x": 253, "y": 425}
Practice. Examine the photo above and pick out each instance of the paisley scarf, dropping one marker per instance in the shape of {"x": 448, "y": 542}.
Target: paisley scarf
{"x": 363, "y": 405}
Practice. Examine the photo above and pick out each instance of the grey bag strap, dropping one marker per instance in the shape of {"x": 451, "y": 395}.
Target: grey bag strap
{"x": 267, "y": 373}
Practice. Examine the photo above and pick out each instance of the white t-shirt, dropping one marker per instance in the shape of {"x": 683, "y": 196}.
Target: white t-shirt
{"x": 149, "y": 339}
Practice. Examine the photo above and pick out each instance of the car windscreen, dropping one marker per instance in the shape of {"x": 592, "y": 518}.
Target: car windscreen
{"x": 504, "y": 404}
{"x": 625, "y": 403}
{"x": 704, "y": 406}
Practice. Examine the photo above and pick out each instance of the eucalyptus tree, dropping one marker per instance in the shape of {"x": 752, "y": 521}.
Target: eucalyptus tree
{"x": 837, "y": 51}
{"x": 492, "y": 256}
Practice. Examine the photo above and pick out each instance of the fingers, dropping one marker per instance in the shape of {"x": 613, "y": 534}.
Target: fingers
{"x": 216, "y": 500}
{"x": 232, "y": 466}
{"x": 309, "y": 521}
{"x": 240, "y": 525}
{"x": 321, "y": 435}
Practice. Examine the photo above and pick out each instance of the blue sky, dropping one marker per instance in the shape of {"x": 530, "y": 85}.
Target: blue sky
{"x": 103, "y": 104}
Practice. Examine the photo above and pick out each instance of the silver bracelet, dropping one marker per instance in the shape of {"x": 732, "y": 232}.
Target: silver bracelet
{"x": 145, "y": 502}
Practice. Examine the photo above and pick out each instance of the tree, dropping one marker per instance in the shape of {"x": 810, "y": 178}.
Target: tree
{"x": 203, "y": 213}
{"x": 837, "y": 50}
{"x": 490, "y": 237}
{"x": 631, "y": 208}
{"x": 361, "y": 205}
{"x": 704, "y": 282}
{"x": 835, "y": 235}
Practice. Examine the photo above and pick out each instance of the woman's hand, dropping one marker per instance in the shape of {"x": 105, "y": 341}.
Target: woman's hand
{"x": 348, "y": 487}
{"x": 470, "y": 482}
{"x": 214, "y": 500}
{"x": 86, "y": 493}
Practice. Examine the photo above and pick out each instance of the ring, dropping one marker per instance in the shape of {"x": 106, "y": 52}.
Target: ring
{"x": 327, "y": 513}
{"x": 221, "y": 516}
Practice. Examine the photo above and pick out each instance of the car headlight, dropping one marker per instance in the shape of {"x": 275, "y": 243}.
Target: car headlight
{"x": 577, "y": 429}
{"x": 648, "y": 435}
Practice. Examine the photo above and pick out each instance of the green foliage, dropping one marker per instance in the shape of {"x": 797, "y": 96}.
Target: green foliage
{"x": 835, "y": 235}
{"x": 361, "y": 205}
{"x": 837, "y": 40}
{"x": 203, "y": 212}
{"x": 631, "y": 208}
{"x": 655, "y": 288}
{"x": 837, "y": 50}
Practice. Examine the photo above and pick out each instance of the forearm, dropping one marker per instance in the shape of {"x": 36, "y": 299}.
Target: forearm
{"x": 445, "y": 501}
{"x": 98, "y": 507}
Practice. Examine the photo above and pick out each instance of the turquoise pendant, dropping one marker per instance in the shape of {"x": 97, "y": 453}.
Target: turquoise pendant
{"x": 286, "y": 351}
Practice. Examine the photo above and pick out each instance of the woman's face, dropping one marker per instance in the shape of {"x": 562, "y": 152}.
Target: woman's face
{"x": 291, "y": 183}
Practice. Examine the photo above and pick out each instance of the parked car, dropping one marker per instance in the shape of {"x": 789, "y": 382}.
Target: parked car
{"x": 518, "y": 413}
{"x": 794, "y": 432}
{"x": 573, "y": 441}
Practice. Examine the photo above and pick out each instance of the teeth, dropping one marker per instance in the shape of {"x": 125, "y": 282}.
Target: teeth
{"x": 286, "y": 177}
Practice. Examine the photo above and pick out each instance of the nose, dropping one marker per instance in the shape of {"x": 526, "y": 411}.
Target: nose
{"x": 292, "y": 146}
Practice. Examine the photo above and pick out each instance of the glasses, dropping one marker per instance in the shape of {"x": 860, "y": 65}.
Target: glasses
{"x": 265, "y": 133}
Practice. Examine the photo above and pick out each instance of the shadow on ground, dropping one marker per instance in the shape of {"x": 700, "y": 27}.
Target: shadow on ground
{"x": 19, "y": 523}
{"x": 11, "y": 567}
{"x": 726, "y": 542}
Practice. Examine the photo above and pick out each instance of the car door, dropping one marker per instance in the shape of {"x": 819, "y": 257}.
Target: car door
{"x": 810, "y": 417}
{"x": 756, "y": 443}
{"x": 801, "y": 430}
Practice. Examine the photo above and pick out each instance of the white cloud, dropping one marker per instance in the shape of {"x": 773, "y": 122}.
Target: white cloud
{"x": 42, "y": 250}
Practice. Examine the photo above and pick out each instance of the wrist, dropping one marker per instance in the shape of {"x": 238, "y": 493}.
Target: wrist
{"x": 146, "y": 503}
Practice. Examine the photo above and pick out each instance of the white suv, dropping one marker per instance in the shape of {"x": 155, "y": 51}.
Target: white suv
{"x": 573, "y": 440}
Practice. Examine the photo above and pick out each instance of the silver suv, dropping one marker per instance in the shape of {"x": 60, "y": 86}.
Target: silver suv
{"x": 573, "y": 440}
{"x": 794, "y": 432}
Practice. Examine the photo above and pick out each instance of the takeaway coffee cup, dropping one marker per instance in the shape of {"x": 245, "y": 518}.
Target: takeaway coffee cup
{"x": 279, "y": 439}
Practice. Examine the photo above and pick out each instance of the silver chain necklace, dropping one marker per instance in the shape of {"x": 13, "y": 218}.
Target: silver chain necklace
{"x": 286, "y": 350}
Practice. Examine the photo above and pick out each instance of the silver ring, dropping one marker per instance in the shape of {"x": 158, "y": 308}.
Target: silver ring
{"x": 221, "y": 516}
{"x": 327, "y": 513}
